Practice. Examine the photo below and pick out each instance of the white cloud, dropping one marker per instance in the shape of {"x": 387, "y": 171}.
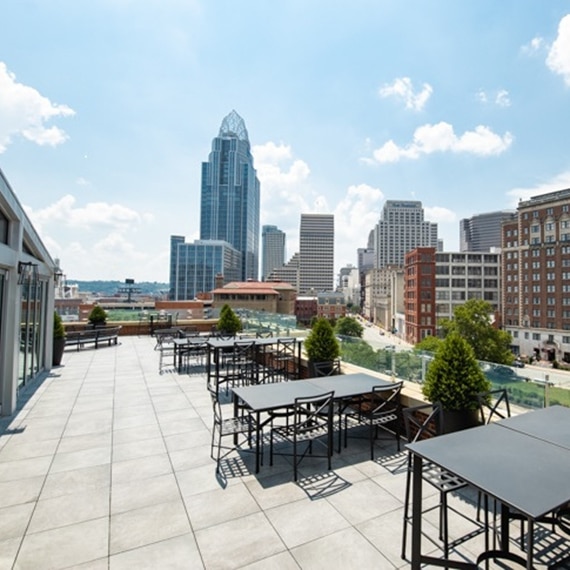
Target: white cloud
{"x": 441, "y": 138}
{"x": 354, "y": 216}
{"x": 286, "y": 188}
{"x": 24, "y": 112}
{"x": 559, "y": 182}
{"x": 402, "y": 88}
{"x": 558, "y": 59}
{"x": 534, "y": 46}
{"x": 93, "y": 214}
{"x": 438, "y": 215}
{"x": 501, "y": 97}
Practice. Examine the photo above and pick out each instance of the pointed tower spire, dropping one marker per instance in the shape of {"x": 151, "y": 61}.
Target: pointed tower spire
{"x": 233, "y": 126}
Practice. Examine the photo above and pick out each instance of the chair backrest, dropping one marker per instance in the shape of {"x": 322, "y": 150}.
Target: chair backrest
{"x": 286, "y": 347}
{"x": 386, "y": 399}
{"x": 217, "y": 408}
{"x": 423, "y": 421}
{"x": 264, "y": 334}
{"x": 244, "y": 350}
{"x": 326, "y": 368}
{"x": 311, "y": 413}
{"x": 494, "y": 405}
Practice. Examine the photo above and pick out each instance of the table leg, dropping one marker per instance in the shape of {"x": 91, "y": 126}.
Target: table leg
{"x": 257, "y": 438}
{"x": 416, "y": 512}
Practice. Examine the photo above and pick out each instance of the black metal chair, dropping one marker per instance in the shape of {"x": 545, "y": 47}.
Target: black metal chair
{"x": 320, "y": 369}
{"x": 422, "y": 422}
{"x": 379, "y": 409}
{"x": 312, "y": 421}
{"x": 227, "y": 427}
{"x": 193, "y": 353}
{"x": 283, "y": 360}
{"x": 239, "y": 367}
{"x": 494, "y": 405}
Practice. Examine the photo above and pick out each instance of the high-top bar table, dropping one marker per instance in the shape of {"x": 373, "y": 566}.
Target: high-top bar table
{"x": 270, "y": 397}
{"x": 506, "y": 461}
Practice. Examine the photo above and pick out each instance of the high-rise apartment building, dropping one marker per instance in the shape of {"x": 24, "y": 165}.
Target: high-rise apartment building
{"x": 536, "y": 283}
{"x": 194, "y": 266}
{"x": 401, "y": 228}
{"x": 483, "y": 231}
{"x": 273, "y": 249}
{"x": 316, "y": 253}
{"x": 229, "y": 206}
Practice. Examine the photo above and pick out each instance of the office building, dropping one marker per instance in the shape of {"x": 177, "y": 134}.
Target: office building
{"x": 273, "y": 249}
{"x": 27, "y": 285}
{"x": 229, "y": 205}
{"x": 288, "y": 272}
{"x": 483, "y": 231}
{"x": 194, "y": 266}
{"x": 536, "y": 270}
{"x": 438, "y": 282}
{"x": 401, "y": 228}
{"x": 316, "y": 253}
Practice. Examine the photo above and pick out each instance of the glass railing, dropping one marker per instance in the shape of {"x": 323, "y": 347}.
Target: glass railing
{"x": 528, "y": 387}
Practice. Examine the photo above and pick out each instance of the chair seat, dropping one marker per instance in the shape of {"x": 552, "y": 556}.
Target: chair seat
{"x": 289, "y": 432}
{"x": 441, "y": 479}
{"x": 237, "y": 425}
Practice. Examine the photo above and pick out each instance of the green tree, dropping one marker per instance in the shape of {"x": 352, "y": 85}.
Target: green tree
{"x": 97, "y": 316}
{"x": 321, "y": 344}
{"x": 349, "y": 326}
{"x": 58, "y": 328}
{"x": 472, "y": 321}
{"x": 429, "y": 343}
{"x": 229, "y": 323}
{"x": 454, "y": 377}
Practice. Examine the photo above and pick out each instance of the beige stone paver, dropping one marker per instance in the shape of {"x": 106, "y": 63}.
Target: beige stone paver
{"x": 107, "y": 467}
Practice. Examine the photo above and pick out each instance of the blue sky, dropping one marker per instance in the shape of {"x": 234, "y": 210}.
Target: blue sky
{"x": 109, "y": 107}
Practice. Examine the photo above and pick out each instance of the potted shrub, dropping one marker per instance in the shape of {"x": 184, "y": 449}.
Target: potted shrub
{"x": 97, "y": 316}
{"x": 454, "y": 378}
{"x": 58, "y": 339}
{"x": 321, "y": 345}
{"x": 228, "y": 323}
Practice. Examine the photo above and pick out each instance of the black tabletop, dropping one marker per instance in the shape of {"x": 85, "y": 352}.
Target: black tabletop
{"x": 229, "y": 342}
{"x": 265, "y": 397}
{"x": 348, "y": 385}
{"x": 550, "y": 424}
{"x": 519, "y": 470}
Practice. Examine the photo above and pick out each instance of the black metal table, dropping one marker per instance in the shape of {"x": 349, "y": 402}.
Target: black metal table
{"x": 263, "y": 398}
{"x": 217, "y": 345}
{"x": 550, "y": 424}
{"x": 519, "y": 470}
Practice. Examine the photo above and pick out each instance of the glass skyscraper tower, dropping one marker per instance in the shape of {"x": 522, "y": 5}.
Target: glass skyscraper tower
{"x": 229, "y": 208}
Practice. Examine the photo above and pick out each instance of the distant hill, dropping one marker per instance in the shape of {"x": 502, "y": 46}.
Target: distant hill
{"x": 108, "y": 288}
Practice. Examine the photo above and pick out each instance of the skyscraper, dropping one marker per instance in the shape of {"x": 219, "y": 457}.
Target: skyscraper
{"x": 483, "y": 231}
{"x": 316, "y": 253}
{"x": 273, "y": 249}
{"x": 229, "y": 207}
{"x": 401, "y": 229}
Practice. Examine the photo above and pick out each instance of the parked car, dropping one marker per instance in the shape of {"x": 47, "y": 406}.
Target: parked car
{"x": 518, "y": 363}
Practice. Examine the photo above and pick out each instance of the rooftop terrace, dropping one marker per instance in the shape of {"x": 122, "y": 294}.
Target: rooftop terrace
{"x": 107, "y": 466}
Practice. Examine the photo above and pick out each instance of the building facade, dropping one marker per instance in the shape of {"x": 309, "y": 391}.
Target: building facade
{"x": 536, "y": 269}
{"x": 273, "y": 250}
{"x": 438, "y": 282}
{"x": 257, "y": 296}
{"x": 229, "y": 205}
{"x": 27, "y": 284}
{"x": 316, "y": 253}
{"x": 483, "y": 231}
{"x": 401, "y": 228}
{"x": 288, "y": 272}
{"x": 194, "y": 266}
